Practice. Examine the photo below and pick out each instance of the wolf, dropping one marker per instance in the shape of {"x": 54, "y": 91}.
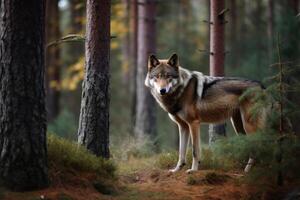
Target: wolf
{"x": 191, "y": 99}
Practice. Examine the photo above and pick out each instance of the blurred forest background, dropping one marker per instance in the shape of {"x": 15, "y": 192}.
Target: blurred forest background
{"x": 181, "y": 26}
{"x": 107, "y": 108}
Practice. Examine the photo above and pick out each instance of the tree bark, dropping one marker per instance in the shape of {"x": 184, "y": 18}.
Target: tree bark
{"x": 23, "y": 158}
{"x": 134, "y": 24}
{"x": 145, "y": 105}
{"x": 126, "y": 61}
{"x": 52, "y": 60}
{"x": 93, "y": 129}
{"x": 217, "y": 54}
{"x": 233, "y": 33}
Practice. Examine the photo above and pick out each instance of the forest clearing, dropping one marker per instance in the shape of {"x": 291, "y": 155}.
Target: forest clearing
{"x": 149, "y": 99}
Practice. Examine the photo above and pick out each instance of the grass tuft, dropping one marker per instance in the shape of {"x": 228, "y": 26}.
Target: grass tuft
{"x": 64, "y": 154}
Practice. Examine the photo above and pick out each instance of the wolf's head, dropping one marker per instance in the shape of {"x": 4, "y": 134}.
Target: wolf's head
{"x": 163, "y": 75}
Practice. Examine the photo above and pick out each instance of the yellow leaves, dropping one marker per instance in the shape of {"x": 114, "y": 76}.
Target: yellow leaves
{"x": 72, "y": 77}
{"x": 118, "y": 24}
{"x": 54, "y": 85}
{"x": 114, "y": 44}
{"x": 74, "y": 74}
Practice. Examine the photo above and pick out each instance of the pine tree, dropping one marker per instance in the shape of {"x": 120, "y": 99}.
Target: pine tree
{"x": 23, "y": 160}
{"x": 145, "y": 120}
{"x": 217, "y": 53}
{"x": 93, "y": 131}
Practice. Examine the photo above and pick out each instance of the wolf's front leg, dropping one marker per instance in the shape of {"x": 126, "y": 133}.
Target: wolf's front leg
{"x": 195, "y": 133}
{"x": 183, "y": 143}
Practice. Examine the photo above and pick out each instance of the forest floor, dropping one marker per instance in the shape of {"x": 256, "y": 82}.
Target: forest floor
{"x": 153, "y": 184}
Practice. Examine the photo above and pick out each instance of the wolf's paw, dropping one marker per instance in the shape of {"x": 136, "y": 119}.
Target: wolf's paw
{"x": 176, "y": 169}
{"x": 189, "y": 171}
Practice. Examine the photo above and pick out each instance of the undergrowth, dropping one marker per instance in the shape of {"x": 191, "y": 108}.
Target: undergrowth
{"x": 233, "y": 153}
{"x": 67, "y": 155}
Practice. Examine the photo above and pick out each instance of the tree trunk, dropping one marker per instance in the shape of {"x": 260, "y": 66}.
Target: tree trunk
{"x": 217, "y": 54}
{"x": 23, "y": 159}
{"x": 134, "y": 24}
{"x": 93, "y": 129}
{"x": 233, "y": 34}
{"x": 52, "y": 60}
{"x": 126, "y": 61}
{"x": 145, "y": 105}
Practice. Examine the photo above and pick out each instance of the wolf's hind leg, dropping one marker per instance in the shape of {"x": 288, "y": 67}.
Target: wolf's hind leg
{"x": 237, "y": 122}
{"x": 249, "y": 164}
{"x": 251, "y": 125}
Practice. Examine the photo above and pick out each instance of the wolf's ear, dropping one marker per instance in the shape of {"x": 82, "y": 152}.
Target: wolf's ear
{"x": 152, "y": 62}
{"x": 174, "y": 61}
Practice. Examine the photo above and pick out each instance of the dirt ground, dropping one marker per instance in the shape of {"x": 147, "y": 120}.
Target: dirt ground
{"x": 155, "y": 185}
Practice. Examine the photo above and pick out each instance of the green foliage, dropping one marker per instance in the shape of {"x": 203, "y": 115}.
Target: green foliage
{"x": 265, "y": 149}
{"x": 64, "y": 125}
{"x": 167, "y": 160}
{"x": 64, "y": 154}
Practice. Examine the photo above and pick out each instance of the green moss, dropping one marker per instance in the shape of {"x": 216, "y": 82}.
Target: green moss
{"x": 64, "y": 154}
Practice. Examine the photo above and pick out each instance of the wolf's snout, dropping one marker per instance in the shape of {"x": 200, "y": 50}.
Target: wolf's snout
{"x": 163, "y": 91}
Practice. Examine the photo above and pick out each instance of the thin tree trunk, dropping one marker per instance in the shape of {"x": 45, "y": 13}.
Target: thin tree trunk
{"x": 233, "y": 33}
{"x": 52, "y": 60}
{"x": 134, "y": 23}
{"x": 93, "y": 129}
{"x": 125, "y": 47}
{"x": 217, "y": 54}
{"x": 145, "y": 105}
{"x": 23, "y": 160}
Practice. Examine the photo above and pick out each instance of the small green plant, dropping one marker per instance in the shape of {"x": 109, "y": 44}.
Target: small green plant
{"x": 167, "y": 160}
